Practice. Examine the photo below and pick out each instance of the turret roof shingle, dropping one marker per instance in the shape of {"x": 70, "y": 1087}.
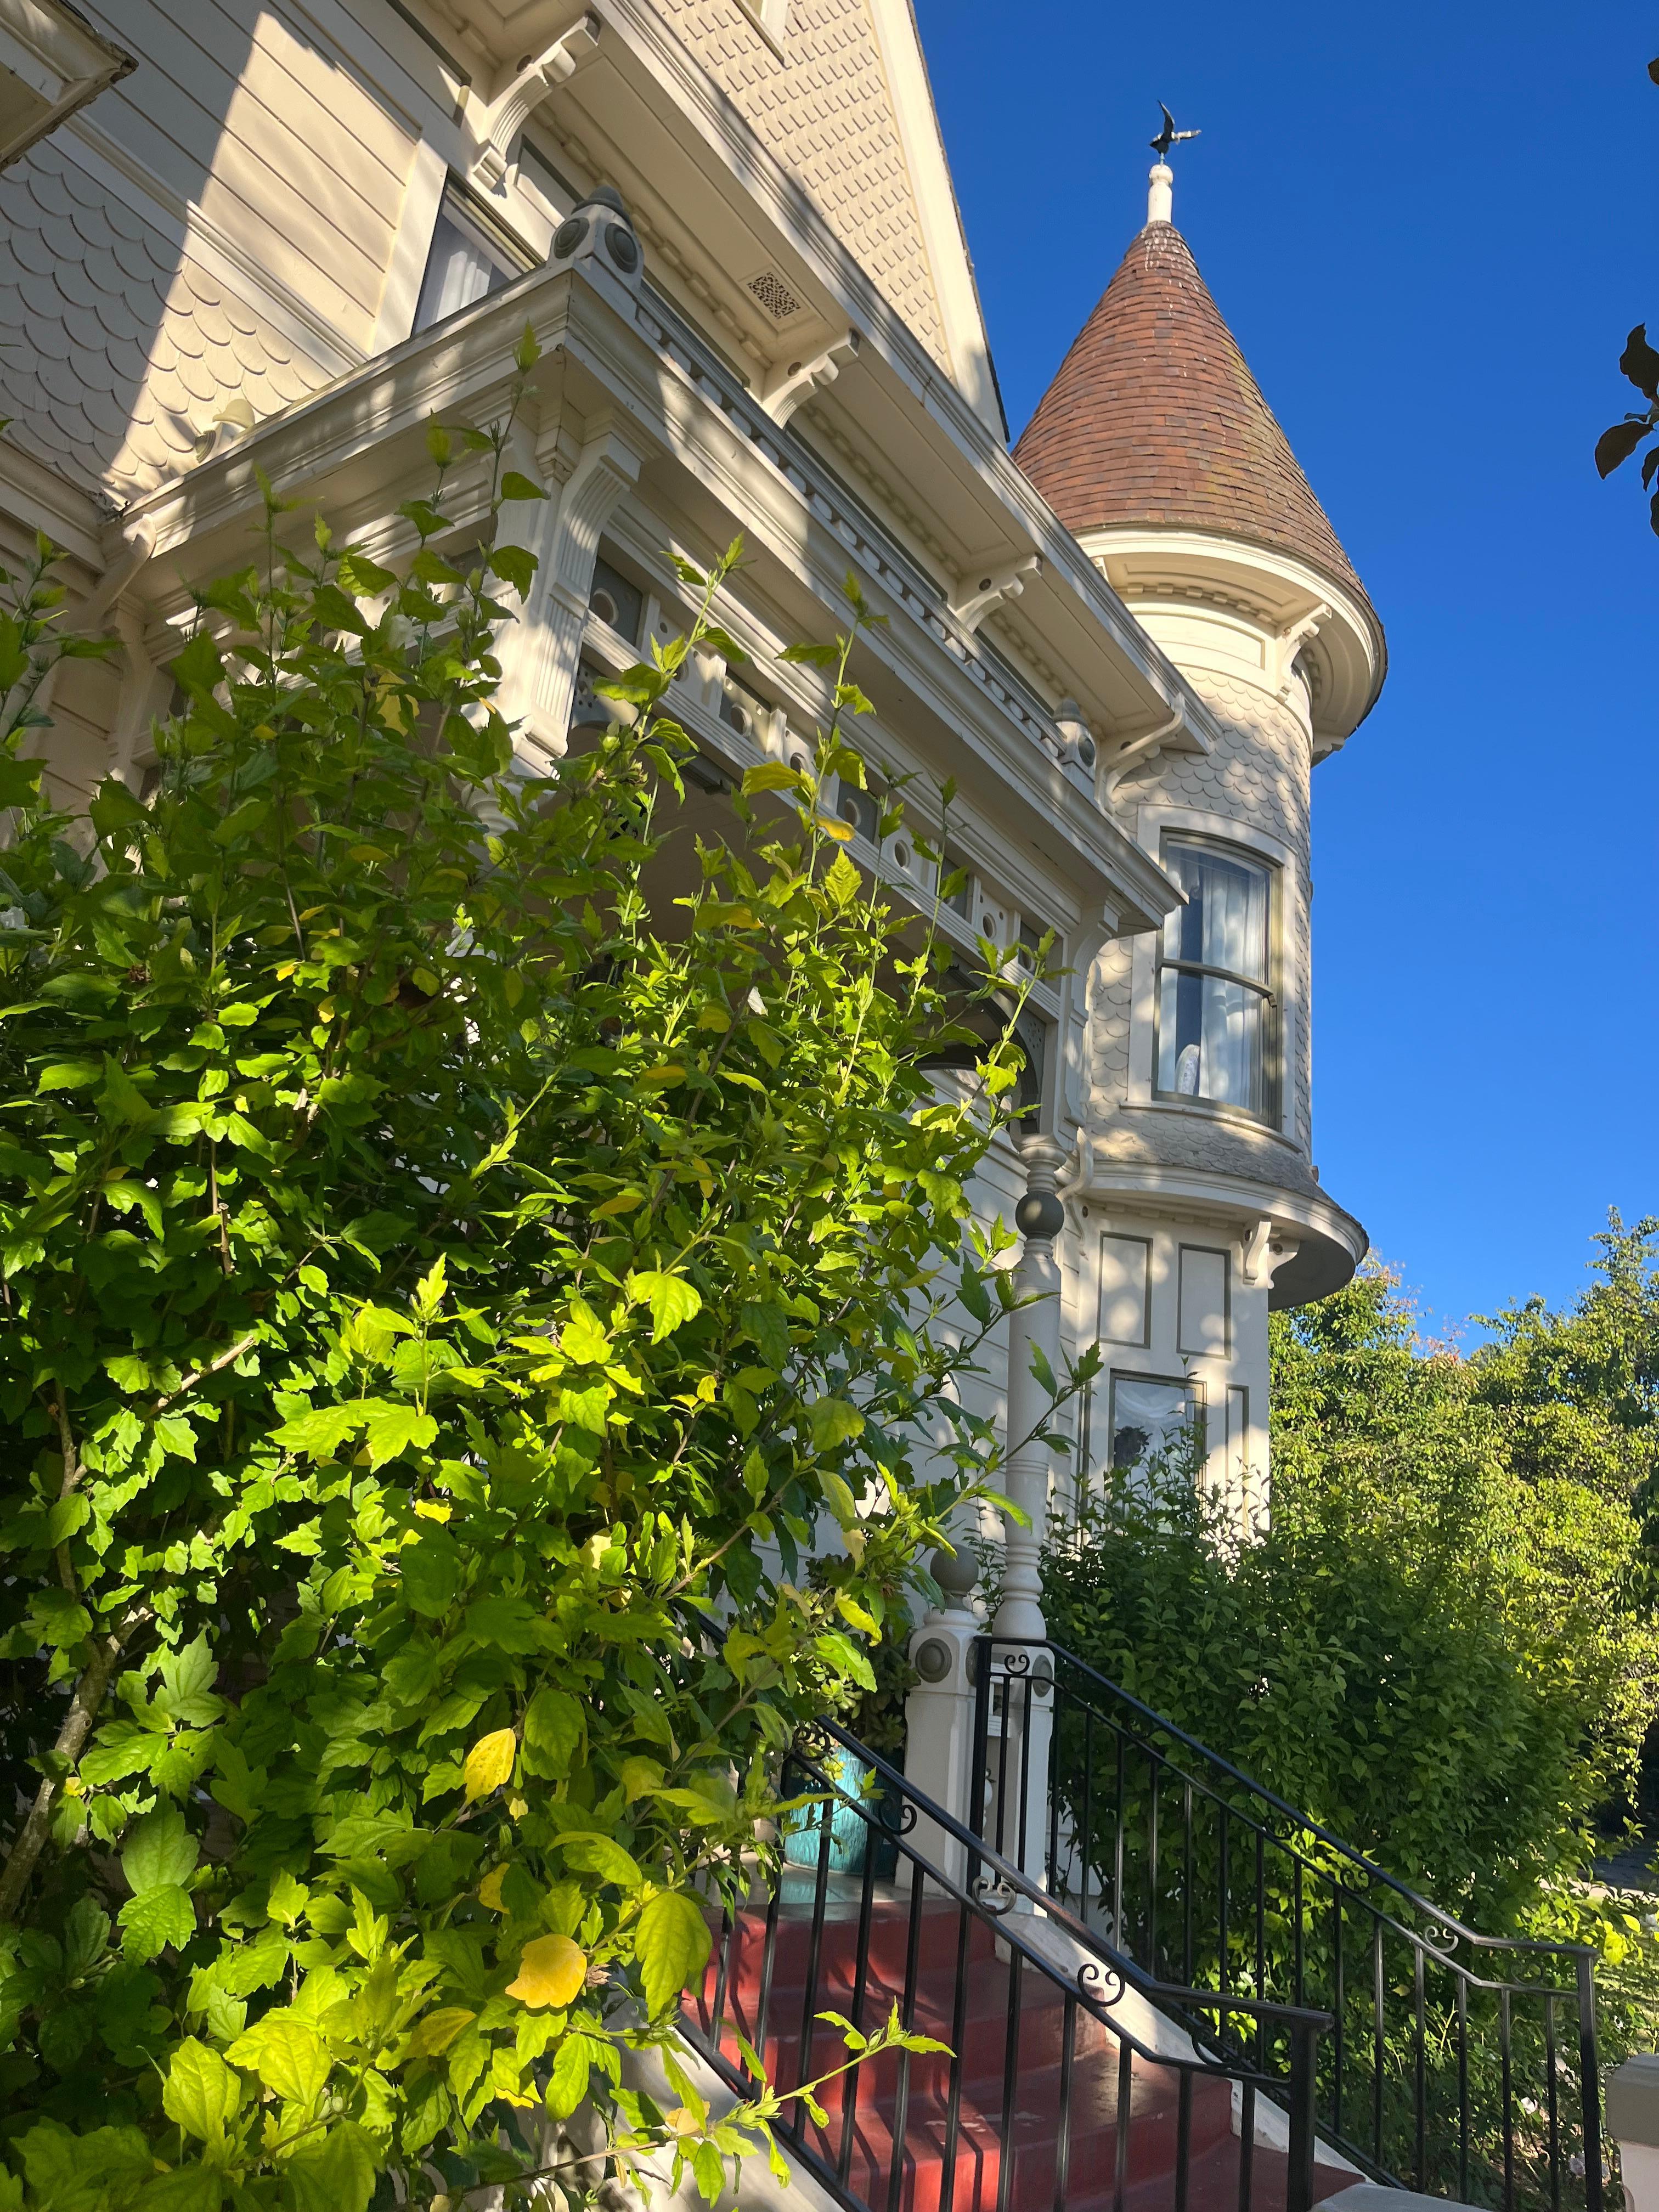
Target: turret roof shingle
{"x": 1155, "y": 417}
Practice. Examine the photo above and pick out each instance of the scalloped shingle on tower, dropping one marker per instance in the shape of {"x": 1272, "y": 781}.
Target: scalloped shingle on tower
{"x": 1154, "y": 417}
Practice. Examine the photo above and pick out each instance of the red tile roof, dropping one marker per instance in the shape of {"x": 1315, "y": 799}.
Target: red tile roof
{"x": 1155, "y": 417}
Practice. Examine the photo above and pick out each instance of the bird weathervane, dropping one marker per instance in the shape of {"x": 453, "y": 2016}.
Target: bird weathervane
{"x": 1169, "y": 136}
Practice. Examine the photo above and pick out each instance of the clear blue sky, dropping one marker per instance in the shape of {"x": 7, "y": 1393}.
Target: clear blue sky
{"x": 1430, "y": 228}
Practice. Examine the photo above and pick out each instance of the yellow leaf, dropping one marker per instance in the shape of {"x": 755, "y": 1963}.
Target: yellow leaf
{"x": 840, "y": 831}
{"x": 551, "y": 1971}
{"x": 667, "y": 1073}
{"x": 431, "y": 1510}
{"x": 489, "y": 1889}
{"x": 624, "y": 1202}
{"x": 438, "y": 2031}
{"x": 490, "y": 1762}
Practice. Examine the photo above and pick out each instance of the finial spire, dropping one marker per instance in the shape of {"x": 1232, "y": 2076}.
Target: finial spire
{"x": 1160, "y": 197}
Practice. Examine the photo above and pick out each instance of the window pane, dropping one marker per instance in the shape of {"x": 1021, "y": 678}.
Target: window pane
{"x": 616, "y": 601}
{"x": 459, "y": 270}
{"x": 1224, "y": 923}
{"x": 1210, "y": 1040}
{"x": 1150, "y": 1420}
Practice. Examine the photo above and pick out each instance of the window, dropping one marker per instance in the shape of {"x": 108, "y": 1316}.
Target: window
{"x": 861, "y": 809}
{"x": 468, "y": 260}
{"x": 1154, "y": 1419}
{"x": 1216, "y": 1031}
{"x": 616, "y": 601}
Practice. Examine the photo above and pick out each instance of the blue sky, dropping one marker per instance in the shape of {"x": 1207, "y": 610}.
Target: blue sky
{"x": 1430, "y": 228}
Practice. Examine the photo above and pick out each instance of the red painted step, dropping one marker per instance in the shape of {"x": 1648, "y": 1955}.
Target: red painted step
{"x": 1029, "y": 2142}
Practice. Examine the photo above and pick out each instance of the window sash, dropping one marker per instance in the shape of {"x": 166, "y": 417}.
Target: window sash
{"x": 1217, "y": 1038}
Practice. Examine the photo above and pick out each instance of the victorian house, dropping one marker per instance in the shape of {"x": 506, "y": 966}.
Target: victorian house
{"x": 275, "y": 236}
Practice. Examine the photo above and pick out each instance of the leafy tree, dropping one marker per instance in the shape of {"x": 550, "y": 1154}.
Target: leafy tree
{"x": 1442, "y": 1645}
{"x": 444, "y": 1308}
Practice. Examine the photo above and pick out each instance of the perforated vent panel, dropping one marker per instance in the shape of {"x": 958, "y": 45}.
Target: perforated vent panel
{"x": 774, "y": 295}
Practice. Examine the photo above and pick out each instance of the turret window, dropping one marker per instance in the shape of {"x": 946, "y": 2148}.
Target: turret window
{"x": 1217, "y": 1033}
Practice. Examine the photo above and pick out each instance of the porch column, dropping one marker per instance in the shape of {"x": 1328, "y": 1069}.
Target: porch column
{"x": 1017, "y": 1795}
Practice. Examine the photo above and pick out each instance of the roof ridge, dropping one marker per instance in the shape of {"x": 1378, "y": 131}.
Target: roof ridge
{"x": 1154, "y": 417}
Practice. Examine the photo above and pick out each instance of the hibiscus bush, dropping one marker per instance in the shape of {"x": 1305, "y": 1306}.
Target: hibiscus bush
{"x": 446, "y": 1301}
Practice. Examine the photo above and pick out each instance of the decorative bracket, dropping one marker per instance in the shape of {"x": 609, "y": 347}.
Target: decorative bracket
{"x": 973, "y": 602}
{"x": 495, "y": 125}
{"x": 1291, "y": 641}
{"x": 1265, "y": 1253}
{"x": 787, "y": 388}
{"x": 1134, "y": 750}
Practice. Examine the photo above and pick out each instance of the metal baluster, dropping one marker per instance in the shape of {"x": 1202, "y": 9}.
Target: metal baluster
{"x": 1552, "y": 2102}
{"x": 1297, "y": 1907}
{"x": 902, "y": 2101}
{"x": 958, "y": 2020}
{"x": 1246, "y": 2146}
{"x": 1589, "y": 2083}
{"x": 1339, "y": 2037}
{"x": 769, "y": 1958}
{"x": 1126, "y": 2085}
{"x": 1463, "y": 2086}
{"x": 728, "y": 1933}
{"x": 853, "y": 2082}
{"x": 1023, "y": 1831}
{"x": 1010, "y": 2081}
{"x": 1379, "y": 2040}
{"x": 1153, "y": 1765}
{"x": 1420, "y": 2086}
{"x": 1303, "y": 2108}
{"x": 1056, "y": 1887}
{"x": 1504, "y": 2048}
{"x": 1189, "y": 1879}
{"x": 1260, "y": 1947}
{"x": 1063, "y": 2143}
{"x": 1006, "y": 1683}
{"x": 814, "y": 1954}
{"x": 1120, "y": 1919}
{"x": 1183, "y": 2137}
{"x": 1088, "y": 1800}
{"x": 1224, "y": 1879}
{"x": 980, "y": 1659}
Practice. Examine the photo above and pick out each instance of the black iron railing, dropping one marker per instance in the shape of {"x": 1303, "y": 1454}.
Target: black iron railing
{"x": 1459, "y": 2065}
{"x": 1067, "y": 2082}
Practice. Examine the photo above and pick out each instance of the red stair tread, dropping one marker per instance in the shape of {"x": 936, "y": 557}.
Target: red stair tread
{"x": 1031, "y": 2146}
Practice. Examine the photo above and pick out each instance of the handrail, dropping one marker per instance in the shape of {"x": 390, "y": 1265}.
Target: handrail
{"x": 1305, "y": 1822}
{"x": 1212, "y": 1866}
{"x": 929, "y": 2107}
{"x": 1163, "y": 1995}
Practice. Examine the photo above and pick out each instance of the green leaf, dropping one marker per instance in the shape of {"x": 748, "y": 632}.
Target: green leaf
{"x": 431, "y": 1573}
{"x": 832, "y": 1422}
{"x": 393, "y": 1429}
{"x": 593, "y": 1853}
{"x": 200, "y": 2094}
{"x": 198, "y": 669}
{"x": 671, "y": 1300}
{"x": 20, "y": 781}
{"x": 514, "y": 486}
{"x": 553, "y": 1727}
{"x": 159, "y": 1849}
{"x": 672, "y": 1942}
{"x": 287, "y": 2055}
{"x": 572, "y": 2071}
{"x": 319, "y": 1433}
{"x": 155, "y": 1918}
{"x": 335, "y": 2173}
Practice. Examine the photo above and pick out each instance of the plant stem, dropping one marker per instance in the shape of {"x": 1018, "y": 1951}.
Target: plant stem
{"x": 77, "y": 1726}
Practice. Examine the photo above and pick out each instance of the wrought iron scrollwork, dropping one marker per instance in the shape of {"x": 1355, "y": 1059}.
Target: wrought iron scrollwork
{"x": 992, "y": 1894}
{"x": 1098, "y": 1984}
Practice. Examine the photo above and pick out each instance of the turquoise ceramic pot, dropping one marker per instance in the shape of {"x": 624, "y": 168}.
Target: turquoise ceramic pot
{"x": 849, "y": 1830}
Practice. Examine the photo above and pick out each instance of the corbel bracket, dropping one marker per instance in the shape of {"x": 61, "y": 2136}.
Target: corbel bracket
{"x": 1265, "y": 1253}
{"x": 1291, "y": 641}
{"x": 1134, "y": 750}
{"x": 788, "y": 386}
{"x": 972, "y": 601}
{"x": 495, "y": 126}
